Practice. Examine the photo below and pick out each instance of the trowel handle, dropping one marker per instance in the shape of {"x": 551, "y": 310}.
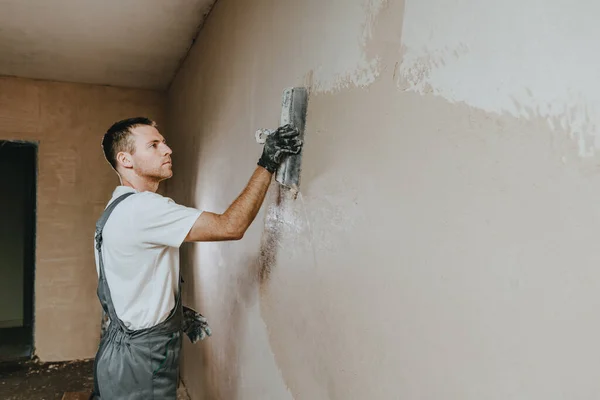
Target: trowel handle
{"x": 261, "y": 135}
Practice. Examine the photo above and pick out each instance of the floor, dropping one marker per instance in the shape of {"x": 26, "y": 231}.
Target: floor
{"x": 15, "y": 343}
{"x": 30, "y": 380}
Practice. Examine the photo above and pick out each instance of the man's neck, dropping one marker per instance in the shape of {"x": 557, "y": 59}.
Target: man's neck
{"x": 141, "y": 185}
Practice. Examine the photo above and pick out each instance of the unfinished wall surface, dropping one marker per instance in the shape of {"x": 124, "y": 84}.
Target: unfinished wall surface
{"x": 443, "y": 244}
{"x": 74, "y": 184}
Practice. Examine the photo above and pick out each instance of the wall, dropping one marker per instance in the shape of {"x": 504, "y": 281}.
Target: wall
{"x": 442, "y": 247}
{"x": 74, "y": 184}
{"x": 15, "y": 187}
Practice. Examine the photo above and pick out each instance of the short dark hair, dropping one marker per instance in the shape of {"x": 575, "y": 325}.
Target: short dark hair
{"x": 118, "y": 138}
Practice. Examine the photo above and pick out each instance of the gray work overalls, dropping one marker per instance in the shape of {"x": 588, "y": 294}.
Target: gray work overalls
{"x": 135, "y": 365}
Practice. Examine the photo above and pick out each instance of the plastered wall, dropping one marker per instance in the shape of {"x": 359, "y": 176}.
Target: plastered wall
{"x": 74, "y": 184}
{"x": 442, "y": 247}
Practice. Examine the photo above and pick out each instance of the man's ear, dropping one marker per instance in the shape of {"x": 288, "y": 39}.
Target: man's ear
{"x": 125, "y": 160}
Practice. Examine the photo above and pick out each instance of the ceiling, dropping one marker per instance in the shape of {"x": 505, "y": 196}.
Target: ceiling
{"x": 126, "y": 43}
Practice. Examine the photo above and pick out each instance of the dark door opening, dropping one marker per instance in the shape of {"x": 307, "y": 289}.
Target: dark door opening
{"x": 18, "y": 181}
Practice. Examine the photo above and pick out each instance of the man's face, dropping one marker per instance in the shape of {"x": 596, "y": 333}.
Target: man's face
{"x": 152, "y": 156}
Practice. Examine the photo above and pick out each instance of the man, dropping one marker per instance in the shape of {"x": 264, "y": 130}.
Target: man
{"x": 137, "y": 258}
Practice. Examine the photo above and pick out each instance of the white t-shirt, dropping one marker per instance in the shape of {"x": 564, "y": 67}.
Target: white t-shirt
{"x": 140, "y": 250}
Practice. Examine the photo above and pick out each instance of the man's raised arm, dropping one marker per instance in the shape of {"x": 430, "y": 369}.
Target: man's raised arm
{"x": 233, "y": 223}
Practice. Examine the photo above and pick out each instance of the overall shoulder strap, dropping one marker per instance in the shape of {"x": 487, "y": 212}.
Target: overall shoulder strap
{"x": 103, "y": 290}
{"x": 102, "y": 221}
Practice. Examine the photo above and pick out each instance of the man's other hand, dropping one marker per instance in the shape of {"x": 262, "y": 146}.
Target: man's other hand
{"x": 195, "y": 325}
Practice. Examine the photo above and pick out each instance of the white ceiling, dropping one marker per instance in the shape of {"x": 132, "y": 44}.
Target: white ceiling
{"x": 128, "y": 43}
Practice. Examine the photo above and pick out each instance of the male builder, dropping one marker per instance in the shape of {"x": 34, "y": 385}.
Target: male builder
{"x": 137, "y": 258}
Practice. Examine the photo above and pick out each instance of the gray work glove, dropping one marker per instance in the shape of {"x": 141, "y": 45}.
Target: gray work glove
{"x": 195, "y": 325}
{"x": 284, "y": 141}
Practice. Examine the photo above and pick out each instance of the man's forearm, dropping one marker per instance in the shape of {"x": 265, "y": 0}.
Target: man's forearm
{"x": 243, "y": 210}
{"x": 233, "y": 223}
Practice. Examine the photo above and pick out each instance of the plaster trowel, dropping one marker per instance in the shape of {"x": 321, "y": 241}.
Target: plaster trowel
{"x": 293, "y": 111}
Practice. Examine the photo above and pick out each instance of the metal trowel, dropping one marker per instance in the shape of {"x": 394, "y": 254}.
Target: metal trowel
{"x": 293, "y": 111}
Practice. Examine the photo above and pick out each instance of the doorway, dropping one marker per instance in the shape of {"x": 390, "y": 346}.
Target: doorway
{"x": 18, "y": 183}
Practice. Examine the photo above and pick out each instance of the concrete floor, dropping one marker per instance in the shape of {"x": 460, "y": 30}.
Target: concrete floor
{"x": 29, "y": 380}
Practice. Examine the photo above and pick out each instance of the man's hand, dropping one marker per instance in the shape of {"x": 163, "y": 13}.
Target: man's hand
{"x": 283, "y": 141}
{"x": 195, "y": 325}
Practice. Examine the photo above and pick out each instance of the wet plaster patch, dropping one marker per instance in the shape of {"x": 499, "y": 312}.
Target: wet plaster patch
{"x": 508, "y": 58}
{"x": 352, "y": 65}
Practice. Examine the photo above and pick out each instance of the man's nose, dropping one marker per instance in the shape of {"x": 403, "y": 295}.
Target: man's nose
{"x": 168, "y": 150}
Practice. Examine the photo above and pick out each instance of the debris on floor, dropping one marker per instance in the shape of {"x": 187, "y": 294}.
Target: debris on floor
{"x": 32, "y": 380}
{"x": 182, "y": 393}
{"x": 76, "y": 396}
